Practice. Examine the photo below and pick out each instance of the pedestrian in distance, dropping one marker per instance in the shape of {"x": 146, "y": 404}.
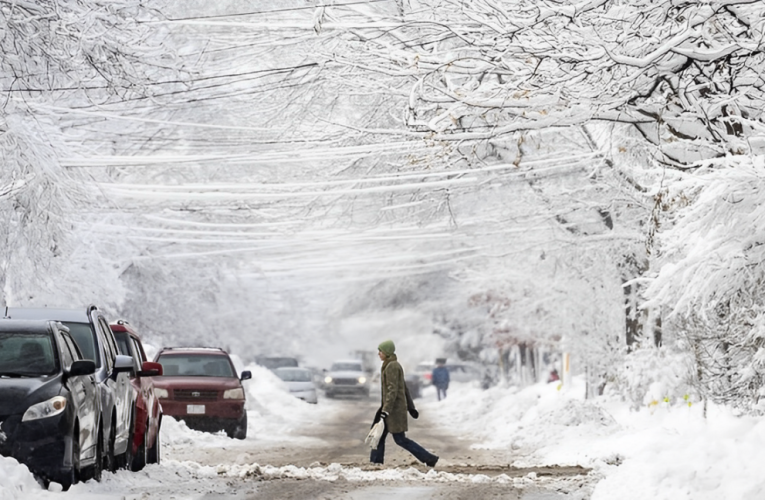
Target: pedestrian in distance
{"x": 394, "y": 408}
{"x": 440, "y": 378}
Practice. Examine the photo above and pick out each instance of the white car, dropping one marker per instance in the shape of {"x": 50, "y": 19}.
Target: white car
{"x": 347, "y": 378}
{"x": 300, "y": 383}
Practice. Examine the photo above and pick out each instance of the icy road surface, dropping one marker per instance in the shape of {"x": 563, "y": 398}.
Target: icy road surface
{"x": 317, "y": 452}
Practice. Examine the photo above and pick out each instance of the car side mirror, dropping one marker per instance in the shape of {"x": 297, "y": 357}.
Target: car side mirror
{"x": 82, "y": 367}
{"x": 246, "y": 375}
{"x": 150, "y": 369}
{"x": 123, "y": 364}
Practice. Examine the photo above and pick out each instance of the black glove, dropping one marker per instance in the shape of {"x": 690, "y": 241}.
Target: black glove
{"x": 383, "y": 415}
{"x": 414, "y": 413}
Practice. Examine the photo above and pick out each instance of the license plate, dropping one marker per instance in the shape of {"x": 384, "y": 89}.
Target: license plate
{"x": 195, "y": 409}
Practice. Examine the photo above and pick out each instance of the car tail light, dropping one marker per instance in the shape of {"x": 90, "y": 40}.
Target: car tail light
{"x": 428, "y": 376}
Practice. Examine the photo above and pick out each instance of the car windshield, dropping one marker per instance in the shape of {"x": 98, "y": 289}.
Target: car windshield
{"x": 424, "y": 367}
{"x": 83, "y": 335}
{"x": 294, "y": 375}
{"x": 27, "y": 354}
{"x": 346, "y": 367}
{"x": 196, "y": 365}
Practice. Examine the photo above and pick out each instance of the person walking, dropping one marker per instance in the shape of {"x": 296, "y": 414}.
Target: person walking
{"x": 440, "y": 378}
{"x": 394, "y": 407}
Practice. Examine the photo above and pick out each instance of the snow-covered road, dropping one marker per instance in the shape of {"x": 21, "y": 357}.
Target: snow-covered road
{"x": 322, "y": 455}
{"x": 317, "y": 451}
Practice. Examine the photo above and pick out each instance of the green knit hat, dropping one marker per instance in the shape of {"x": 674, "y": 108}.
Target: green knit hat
{"x": 387, "y": 347}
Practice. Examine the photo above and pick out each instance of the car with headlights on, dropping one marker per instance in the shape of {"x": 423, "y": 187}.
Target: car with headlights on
{"x": 347, "y": 378}
{"x": 49, "y": 407}
{"x": 199, "y": 385}
{"x": 147, "y": 411}
{"x": 300, "y": 382}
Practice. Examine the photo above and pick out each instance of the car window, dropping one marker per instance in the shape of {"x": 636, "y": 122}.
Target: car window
{"x": 423, "y": 367}
{"x": 27, "y": 354}
{"x": 71, "y": 345}
{"x": 294, "y": 375}
{"x": 110, "y": 348}
{"x": 346, "y": 367}
{"x": 196, "y": 365}
{"x": 123, "y": 343}
{"x": 138, "y": 349}
{"x": 83, "y": 334}
{"x": 66, "y": 355}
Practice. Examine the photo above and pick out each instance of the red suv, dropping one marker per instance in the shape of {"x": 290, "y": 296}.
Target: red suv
{"x": 147, "y": 415}
{"x": 200, "y": 386}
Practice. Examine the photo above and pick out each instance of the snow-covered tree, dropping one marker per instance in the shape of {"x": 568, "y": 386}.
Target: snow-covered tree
{"x": 55, "y": 56}
{"x": 711, "y": 280}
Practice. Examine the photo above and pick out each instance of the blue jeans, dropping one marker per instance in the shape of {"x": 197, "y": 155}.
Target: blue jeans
{"x": 378, "y": 456}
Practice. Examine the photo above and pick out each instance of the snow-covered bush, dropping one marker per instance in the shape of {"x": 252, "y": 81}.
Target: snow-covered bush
{"x": 651, "y": 376}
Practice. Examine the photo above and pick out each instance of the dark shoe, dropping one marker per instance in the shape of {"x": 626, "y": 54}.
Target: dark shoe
{"x": 432, "y": 463}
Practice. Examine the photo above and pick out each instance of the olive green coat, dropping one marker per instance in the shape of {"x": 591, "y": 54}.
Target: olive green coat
{"x": 394, "y": 395}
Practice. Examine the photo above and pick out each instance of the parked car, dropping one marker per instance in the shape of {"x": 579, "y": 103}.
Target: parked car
{"x": 49, "y": 408}
{"x": 272, "y": 363}
{"x": 414, "y": 385}
{"x": 90, "y": 330}
{"x": 424, "y": 371}
{"x": 147, "y": 415}
{"x": 199, "y": 385}
{"x": 300, "y": 383}
{"x": 346, "y": 377}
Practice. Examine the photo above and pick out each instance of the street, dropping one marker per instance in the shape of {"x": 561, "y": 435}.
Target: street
{"x": 331, "y": 461}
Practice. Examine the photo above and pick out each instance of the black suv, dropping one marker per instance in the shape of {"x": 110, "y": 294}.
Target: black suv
{"x": 91, "y": 331}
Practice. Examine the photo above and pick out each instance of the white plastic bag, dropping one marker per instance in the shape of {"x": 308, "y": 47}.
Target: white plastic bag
{"x": 374, "y": 434}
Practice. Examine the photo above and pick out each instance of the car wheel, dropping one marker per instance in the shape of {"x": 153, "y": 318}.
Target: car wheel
{"x": 94, "y": 471}
{"x": 153, "y": 454}
{"x": 71, "y": 478}
{"x": 139, "y": 460}
{"x": 240, "y": 429}
{"x": 330, "y": 394}
{"x": 125, "y": 461}
{"x": 110, "y": 463}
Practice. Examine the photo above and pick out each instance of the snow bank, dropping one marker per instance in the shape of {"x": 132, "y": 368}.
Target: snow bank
{"x": 675, "y": 453}
{"x": 16, "y": 481}
{"x": 661, "y": 452}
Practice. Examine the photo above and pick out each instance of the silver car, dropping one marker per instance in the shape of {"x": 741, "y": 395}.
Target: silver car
{"x": 347, "y": 378}
{"x": 300, "y": 383}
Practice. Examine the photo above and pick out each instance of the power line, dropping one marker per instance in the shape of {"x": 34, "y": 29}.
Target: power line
{"x": 252, "y": 13}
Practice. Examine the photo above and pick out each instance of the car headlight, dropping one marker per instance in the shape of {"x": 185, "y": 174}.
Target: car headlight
{"x": 328, "y": 380}
{"x": 161, "y": 393}
{"x": 237, "y": 393}
{"x": 362, "y": 380}
{"x": 53, "y": 406}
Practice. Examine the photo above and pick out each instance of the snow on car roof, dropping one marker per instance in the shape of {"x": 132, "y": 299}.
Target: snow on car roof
{"x": 170, "y": 350}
